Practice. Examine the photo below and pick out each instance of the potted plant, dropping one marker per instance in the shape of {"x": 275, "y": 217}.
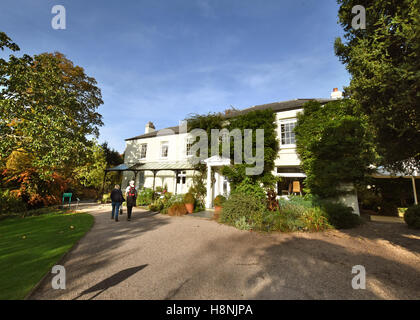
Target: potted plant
{"x": 189, "y": 202}
{"x": 218, "y": 204}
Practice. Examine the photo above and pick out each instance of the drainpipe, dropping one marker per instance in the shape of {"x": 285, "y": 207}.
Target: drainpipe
{"x": 413, "y": 180}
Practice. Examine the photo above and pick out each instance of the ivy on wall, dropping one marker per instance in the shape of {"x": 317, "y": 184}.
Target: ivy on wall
{"x": 259, "y": 119}
{"x": 335, "y": 146}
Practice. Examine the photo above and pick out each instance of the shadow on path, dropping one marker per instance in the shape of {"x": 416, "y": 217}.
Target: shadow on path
{"x": 111, "y": 281}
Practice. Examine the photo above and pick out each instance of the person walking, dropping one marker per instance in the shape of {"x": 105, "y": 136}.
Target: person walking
{"x": 117, "y": 200}
{"x": 131, "y": 196}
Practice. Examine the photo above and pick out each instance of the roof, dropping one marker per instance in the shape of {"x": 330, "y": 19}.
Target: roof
{"x": 120, "y": 167}
{"x": 175, "y": 165}
{"x": 275, "y": 106}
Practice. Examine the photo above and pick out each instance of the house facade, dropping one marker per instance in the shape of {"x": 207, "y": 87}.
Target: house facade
{"x": 160, "y": 158}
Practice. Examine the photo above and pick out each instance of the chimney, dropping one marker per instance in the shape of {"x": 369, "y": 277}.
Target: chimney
{"x": 335, "y": 94}
{"x": 150, "y": 127}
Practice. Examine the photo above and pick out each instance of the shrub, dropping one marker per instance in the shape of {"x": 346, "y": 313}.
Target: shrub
{"x": 242, "y": 224}
{"x": 11, "y": 203}
{"x": 157, "y": 205}
{"x": 177, "y": 209}
{"x": 242, "y": 205}
{"x": 199, "y": 206}
{"x": 412, "y": 216}
{"x": 145, "y": 197}
{"x": 106, "y": 198}
{"x": 219, "y": 200}
{"x": 188, "y": 198}
{"x": 314, "y": 219}
{"x": 249, "y": 187}
{"x": 339, "y": 215}
{"x": 306, "y": 201}
{"x": 387, "y": 208}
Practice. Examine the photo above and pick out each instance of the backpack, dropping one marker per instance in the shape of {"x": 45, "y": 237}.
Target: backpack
{"x": 132, "y": 192}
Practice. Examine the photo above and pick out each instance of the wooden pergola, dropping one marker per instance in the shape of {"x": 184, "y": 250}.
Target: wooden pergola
{"x": 383, "y": 174}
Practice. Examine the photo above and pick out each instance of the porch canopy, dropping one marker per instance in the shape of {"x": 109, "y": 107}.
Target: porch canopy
{"x": 214, "y": 161}
{"x": 175, "y": 166}
{"x": 382, "y": 173}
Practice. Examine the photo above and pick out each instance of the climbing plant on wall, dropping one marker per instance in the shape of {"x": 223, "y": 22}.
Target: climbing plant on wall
{"x": 334, "y": 144}
{"x": 259, "y": 119}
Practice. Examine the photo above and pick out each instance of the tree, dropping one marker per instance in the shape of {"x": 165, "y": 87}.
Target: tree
{"x": 92, "y": 172}
{"x": 47, "y": 108}
{"x": 113, "y": 157}
{"x": 334, "y": 145}
{"x": 384, "y": 64}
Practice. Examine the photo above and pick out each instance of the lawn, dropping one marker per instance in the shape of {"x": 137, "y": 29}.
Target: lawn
{"x": 31, "y": 246}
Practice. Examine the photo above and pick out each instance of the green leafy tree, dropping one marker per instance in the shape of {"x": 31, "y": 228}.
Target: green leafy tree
{"x": 384, "y": 64}
{"x": 113, "y": 157}
{"x": 47, "y": 108}
{"x": 92, "y": 172}
{"x": 334, "y": 145}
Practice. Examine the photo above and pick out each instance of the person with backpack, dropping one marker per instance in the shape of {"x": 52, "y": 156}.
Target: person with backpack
{"x": 117, "y": 200}
{"x": 131, "y": 195}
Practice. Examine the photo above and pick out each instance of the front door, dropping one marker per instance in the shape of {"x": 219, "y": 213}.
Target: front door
{"x": 180, "y": 182}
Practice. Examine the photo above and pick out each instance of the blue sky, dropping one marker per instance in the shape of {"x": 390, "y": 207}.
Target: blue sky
{"x": 162, "y": 60}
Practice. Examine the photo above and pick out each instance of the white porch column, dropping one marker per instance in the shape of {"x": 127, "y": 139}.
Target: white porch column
{"x": 209, "y": 195}
{"x": 216, "y": 183}
{"x": 228, "y": 188}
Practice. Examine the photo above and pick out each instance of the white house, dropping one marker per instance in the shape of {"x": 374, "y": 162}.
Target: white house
{"x": 160, "y": 157}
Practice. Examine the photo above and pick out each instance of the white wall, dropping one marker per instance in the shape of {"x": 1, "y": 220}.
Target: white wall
{"x": 176, "y": 152}
{"x": 287, "y": 156}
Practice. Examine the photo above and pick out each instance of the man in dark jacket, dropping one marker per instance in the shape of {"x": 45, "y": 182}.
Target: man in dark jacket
{"x": 117, "y": 200}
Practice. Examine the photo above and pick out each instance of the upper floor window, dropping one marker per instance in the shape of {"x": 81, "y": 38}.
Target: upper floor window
{"x": 143, "y": 150}
{"x": 164, "y": 147}
{"x": 190, "y": 143}
{"x": 287, "y": 132}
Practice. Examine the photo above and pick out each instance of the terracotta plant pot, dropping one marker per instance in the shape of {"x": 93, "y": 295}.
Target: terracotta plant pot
{"x": 217, "y": 210}
{"x": 190, "y": 207}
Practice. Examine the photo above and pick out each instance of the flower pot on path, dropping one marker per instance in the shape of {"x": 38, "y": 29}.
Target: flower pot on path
{"x": 190, "y": 207}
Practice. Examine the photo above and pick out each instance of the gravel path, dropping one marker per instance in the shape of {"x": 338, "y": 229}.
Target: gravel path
{"x": 161, "y": 257}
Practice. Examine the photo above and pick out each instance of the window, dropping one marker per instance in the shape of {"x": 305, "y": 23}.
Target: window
{"x": 181, "y": 177}
{"x": 224, "y": 137}
{"x": 143, "y": 150}
{"x": 287, "y": 133}
{"x": 190, "y": 142}
{"x": 164, "y": 149}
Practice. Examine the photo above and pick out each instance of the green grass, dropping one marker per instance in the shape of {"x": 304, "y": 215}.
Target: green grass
{"x": 31, "y": 246}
